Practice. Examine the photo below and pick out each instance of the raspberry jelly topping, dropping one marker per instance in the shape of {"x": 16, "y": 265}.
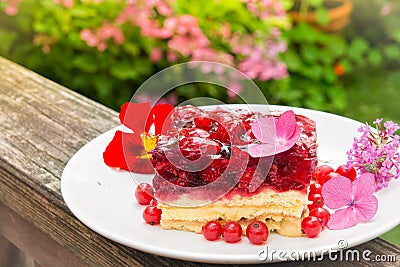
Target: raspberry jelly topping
{"x": 205, "y": 139}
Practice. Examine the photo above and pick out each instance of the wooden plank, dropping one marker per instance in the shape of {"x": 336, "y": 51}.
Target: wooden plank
{"x": 42, "y": 125}
{"x": 34, "y": 243}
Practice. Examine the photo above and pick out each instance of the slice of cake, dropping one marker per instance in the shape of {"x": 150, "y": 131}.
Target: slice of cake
{"x": 204, "y": 173}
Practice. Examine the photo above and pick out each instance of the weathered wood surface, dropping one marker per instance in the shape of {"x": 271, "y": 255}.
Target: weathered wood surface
{"x": 42, "y": 125}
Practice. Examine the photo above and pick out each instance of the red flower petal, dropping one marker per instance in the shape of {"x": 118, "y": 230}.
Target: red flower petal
{"x": 140, "y": 117}
{"x": 159, "y": 115}
{"x": 113, "y": 155}
{"x": 126, "y": 152}
{"x": 134, "y": 116}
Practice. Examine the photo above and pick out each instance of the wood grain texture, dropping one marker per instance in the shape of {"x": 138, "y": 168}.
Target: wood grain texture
{"x": 42, "y": 125}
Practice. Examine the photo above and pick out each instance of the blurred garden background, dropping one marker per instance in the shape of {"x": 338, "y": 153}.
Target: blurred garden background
{"x": 339, "y": 56}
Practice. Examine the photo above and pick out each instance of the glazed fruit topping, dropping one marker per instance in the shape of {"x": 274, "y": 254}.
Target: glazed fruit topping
{"x": 212, "y": 136}
{"x": 193, "y": 147}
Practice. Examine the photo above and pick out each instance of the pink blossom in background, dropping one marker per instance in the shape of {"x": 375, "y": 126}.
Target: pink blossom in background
{"x": 156, "y": 54}
{"x": 65, "y": 3}
{"x": 171, "y": 99}
{"x": 387, "y": 9}
{"x": 255, "y": 57}
{"x": 260, "y": 61}
{"x": 98, "y": 38}
{"x": 235, "y": 88}
{"x": 210, "y": 54}
{"x": 46, "y": 48}
{"x": 11, "y": 8}
{"x": 172, "y": 57}
{"x": 265, "y": 8}
{"x": 89, "y": 37}
{"x": 225, "y": 31}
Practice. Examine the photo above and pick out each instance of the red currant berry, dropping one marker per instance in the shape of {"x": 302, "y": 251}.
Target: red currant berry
{"x": 347, "y": 172}
{"x": 232, "y": 232}
{"x": 321, "y": 172}
{"x": 315, "y": 188}
{"x": 152, "y": 215}
{"x": 322, "y": 214}
{"x": 311, "y": 226}
{"x": 317, "y": 200}
{"x": 257, "y": 232}
{"x": 154, "y": 202}
{"x": 212, "y": 230}
{"x": 331, "y": 175}
{"x": 144, "y": 193}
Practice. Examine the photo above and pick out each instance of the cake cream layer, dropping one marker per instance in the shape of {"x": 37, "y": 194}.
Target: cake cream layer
{"x": 282, "y": 211}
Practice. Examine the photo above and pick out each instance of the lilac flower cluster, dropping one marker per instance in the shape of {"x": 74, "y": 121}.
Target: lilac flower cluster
{"x": 376, "y": 151}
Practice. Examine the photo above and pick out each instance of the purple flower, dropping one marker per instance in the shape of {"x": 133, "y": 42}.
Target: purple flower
{"x": 377, "y": 151}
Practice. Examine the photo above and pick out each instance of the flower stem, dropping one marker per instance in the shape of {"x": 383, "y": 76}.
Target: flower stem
{"x": 304, "y": 8}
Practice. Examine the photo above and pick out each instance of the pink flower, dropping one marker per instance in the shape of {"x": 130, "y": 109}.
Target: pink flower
{"x": 172, "y": 57}
{"x": 235, "y": 88}
{"x": 65, "y": 3}
{"x": 353, "y": 202}
{"x": 156, "y": 54}
{"x": 11, "y": 8}
{"x": 275, "y": 135}
{"x": 387, "y": 9}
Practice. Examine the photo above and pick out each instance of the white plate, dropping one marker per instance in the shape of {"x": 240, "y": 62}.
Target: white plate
{"x": 103, "y": 199}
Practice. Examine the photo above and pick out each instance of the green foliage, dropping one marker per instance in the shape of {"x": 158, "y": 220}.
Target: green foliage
{"x": 45, "y": 37}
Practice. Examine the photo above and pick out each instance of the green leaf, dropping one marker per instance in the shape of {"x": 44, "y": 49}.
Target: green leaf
{"x": 292, "y": 60}
{"x": 123, "y": 70}
{"x": 103, "y": 85}
{"x": 375, "y": 58}
{"x": 338, "y": 97}
{"x": 7, "y": 40}
{"x": 86, "y": 63}
{"x": 330, "y": 76}
{"x": 392, "y": 52}
{"x": 310, "y": 53}
{"x": 322, "y": 16}
{"x": 82, "y": 11}
{"x": 316, "y": 3}
{"x": 357, "y": 49}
